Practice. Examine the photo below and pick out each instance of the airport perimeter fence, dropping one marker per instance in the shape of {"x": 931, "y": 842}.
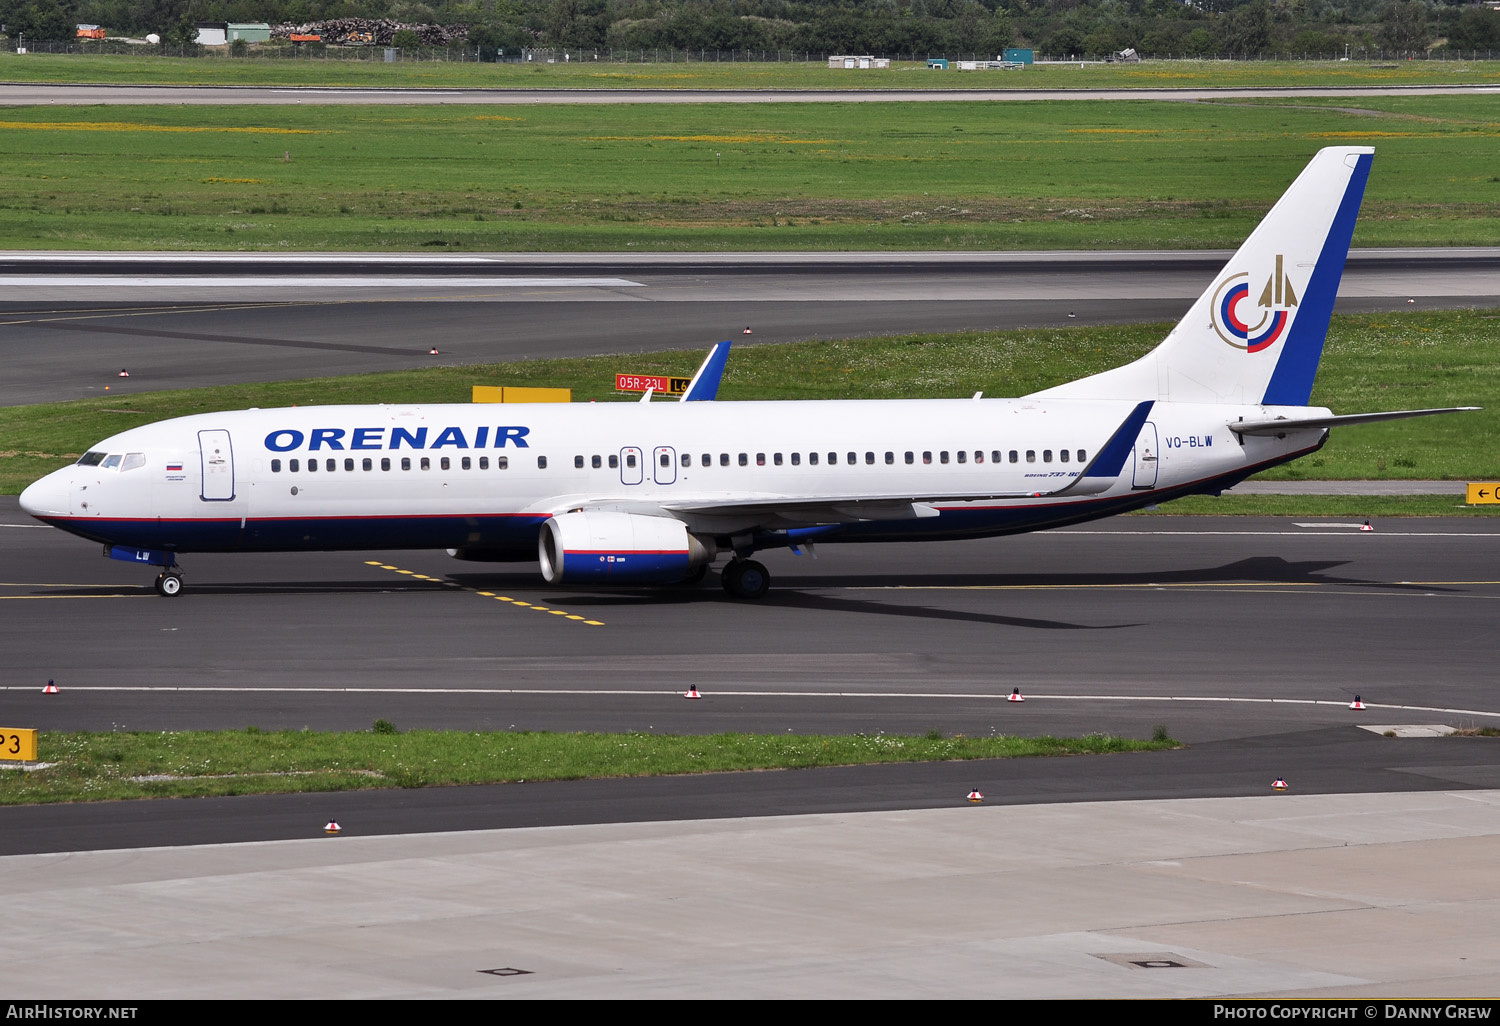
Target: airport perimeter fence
{"x": 663, "y": 55}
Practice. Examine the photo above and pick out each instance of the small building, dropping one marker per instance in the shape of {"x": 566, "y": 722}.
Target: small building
{"x": 867, "y": 61}
{"x": 1018, "y": 56}
{"x": 212, "y": 33}
{"x": 90, "y": 32}
{"x": 937, "y": 64}
{"x": 249, "y": 31}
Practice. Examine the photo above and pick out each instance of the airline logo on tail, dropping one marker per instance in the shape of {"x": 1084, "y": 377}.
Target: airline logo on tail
{"x": 1259, "y": 327}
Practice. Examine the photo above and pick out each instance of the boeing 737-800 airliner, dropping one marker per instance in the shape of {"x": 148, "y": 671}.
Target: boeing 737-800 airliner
{"x": 656, "y": 493}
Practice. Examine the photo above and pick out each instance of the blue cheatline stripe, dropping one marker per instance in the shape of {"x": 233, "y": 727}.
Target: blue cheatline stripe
{"x": 1292, "y": 381}
{"x": 1111, "y": 459}
{"x": 706, "y": 387}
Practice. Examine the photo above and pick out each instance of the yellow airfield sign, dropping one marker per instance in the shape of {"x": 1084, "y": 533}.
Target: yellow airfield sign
{"x": 18, "y": 744}
{"x": 1481, "y": 492}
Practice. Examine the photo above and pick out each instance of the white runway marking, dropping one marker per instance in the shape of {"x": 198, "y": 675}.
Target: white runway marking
{"x": 268, "y": 281}
{"x": 998, "y": 696}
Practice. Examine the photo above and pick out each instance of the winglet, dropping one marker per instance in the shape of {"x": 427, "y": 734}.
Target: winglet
{"x": 1110, "y": 459}
{"x": 705, "y": 384}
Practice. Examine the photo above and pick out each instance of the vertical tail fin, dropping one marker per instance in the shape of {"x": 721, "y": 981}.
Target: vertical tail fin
{"x": 1256, "y": 334}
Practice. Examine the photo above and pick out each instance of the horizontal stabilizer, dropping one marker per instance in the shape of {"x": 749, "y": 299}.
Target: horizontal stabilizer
{"x": 1281, "y": 425}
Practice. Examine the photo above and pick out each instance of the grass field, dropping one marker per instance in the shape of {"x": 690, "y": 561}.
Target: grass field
{"x": 108, "y": 766}
{"x": 1375, "y": 362}
{"x": 840, "y": 176}
{"x": 711, "y": 74}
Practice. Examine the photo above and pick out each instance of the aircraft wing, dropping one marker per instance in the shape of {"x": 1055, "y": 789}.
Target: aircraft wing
{"x": 1281, "y": 425}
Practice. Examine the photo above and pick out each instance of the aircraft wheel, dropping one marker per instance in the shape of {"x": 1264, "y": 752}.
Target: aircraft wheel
{"x": 168, "y": 584}
{"x": 746, "y": 579}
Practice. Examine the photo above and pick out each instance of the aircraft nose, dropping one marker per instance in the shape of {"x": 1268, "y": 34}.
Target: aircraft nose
{"x": 48, "y": 497}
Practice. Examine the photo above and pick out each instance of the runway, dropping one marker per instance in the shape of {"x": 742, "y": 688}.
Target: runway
{"x": 70, "y": 322}
{"x": 1246, "y": 638}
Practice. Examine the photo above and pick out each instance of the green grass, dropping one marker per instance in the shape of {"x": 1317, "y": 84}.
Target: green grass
{"x": 945, "y": 175}
{"x": 265, "y": 69}
{"x": 1360, "y": 507}
{"x": 1371, "y": 362}
{"x": 103, "y": 766}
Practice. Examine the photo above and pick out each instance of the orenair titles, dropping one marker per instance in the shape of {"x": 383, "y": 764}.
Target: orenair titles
{"x": 287, "y": 439}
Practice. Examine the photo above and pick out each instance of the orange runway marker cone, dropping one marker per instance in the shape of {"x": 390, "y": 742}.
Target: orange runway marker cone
{"x": 975, "y": 796}
{"x": 1278, "y": 784}
{"x": 1015, "y": 696}
{"x": 332, "y": 827}
{"x": 692, "y": 692}
{"x": 1357, "y": 703}
{"x": 50, "y": 689}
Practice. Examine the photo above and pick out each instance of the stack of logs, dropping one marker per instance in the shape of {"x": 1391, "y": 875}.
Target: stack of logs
{"x": 376, "y": 31}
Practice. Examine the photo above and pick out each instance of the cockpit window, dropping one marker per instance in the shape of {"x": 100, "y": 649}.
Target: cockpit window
{"x": 91, "y": 459}
{"x": 112, "y": 462}
{"x": 133, "y": 460}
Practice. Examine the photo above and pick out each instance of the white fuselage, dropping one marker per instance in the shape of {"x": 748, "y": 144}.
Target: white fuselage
{"x": 486, "y": 477}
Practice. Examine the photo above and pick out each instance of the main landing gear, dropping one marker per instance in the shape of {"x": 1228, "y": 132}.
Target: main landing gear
{"x": 169, "y": 581}
{"x": 745, "y": 579}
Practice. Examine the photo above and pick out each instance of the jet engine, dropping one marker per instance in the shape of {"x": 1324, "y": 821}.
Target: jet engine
{"x": 607, "y": 547}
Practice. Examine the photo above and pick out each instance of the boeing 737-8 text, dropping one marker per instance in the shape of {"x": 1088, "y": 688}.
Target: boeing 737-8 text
{"x": 656, "y": 493}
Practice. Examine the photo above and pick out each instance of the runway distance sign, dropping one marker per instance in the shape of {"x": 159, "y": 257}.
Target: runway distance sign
{"x": 18, "y": 744}
{"x": 1482, "y": 492}
{"x": 656, "y": 382}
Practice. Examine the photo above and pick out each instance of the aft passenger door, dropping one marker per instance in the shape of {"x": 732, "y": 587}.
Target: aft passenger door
{"x": 1146, "y": 451}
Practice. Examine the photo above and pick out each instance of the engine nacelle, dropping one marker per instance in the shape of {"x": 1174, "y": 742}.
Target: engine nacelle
{"x": 619, "y": 548}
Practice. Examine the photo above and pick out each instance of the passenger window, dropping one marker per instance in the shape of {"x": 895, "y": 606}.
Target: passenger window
{"x": 1030, "y": 455}
{"x": 962, "y": 456}
{"x": 995, "y": 456}
{"x": 723, "y": 459}
{"x": 1083, "y": 456}
{"x": 577, "y": 462}
{"x": 541, "y": 462}
{"x": 1062, "y": 454}
{"x": 760, "y": 459}
{"x": 312, "y": 465}
{"x": 293, "y": 465}
{"x": 331, "y": 465}
{"x": 445, "y": 464}
{"x": 890, "y": 457}
{"x": 943, "y": 456}
{"x": 926, "y": 457}
{"x": 812, "y": 459}
{"x": 502, "y": 462}
{"x": 349, "y": 463}
{"x": 484, "y": 463}
{"x": 465, "y": 464}
{"x": 796, "y": 459}
{"x": 385, "y": 463}
{"x": 833, "y": 459}
{"x": 687, "y": 459}
{"x": 596, "y": 462}
{"x": 978, "y": 455}
{"x": 1046, "y": 455}
{"x": 911, "y": 457}
{"x": 629, "y": 461}
{"x": 706, "y": 460}
{"x": 614, "y": 462}
{"x": 744, "y": 459}
{"x": 406, "y": 463}
{"x": 1014, "y": 456}
{"x": 853, "y": 459}
{"x": 275, "y": 466}
{"x": 426, "y": 463}
{"x": 368, "y": 463}
{"x": 666, "y": 460}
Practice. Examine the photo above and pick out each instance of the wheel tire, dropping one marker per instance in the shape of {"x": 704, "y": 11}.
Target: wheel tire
{"x": 168, "y": 585}
{"x": 746, "y": 579}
